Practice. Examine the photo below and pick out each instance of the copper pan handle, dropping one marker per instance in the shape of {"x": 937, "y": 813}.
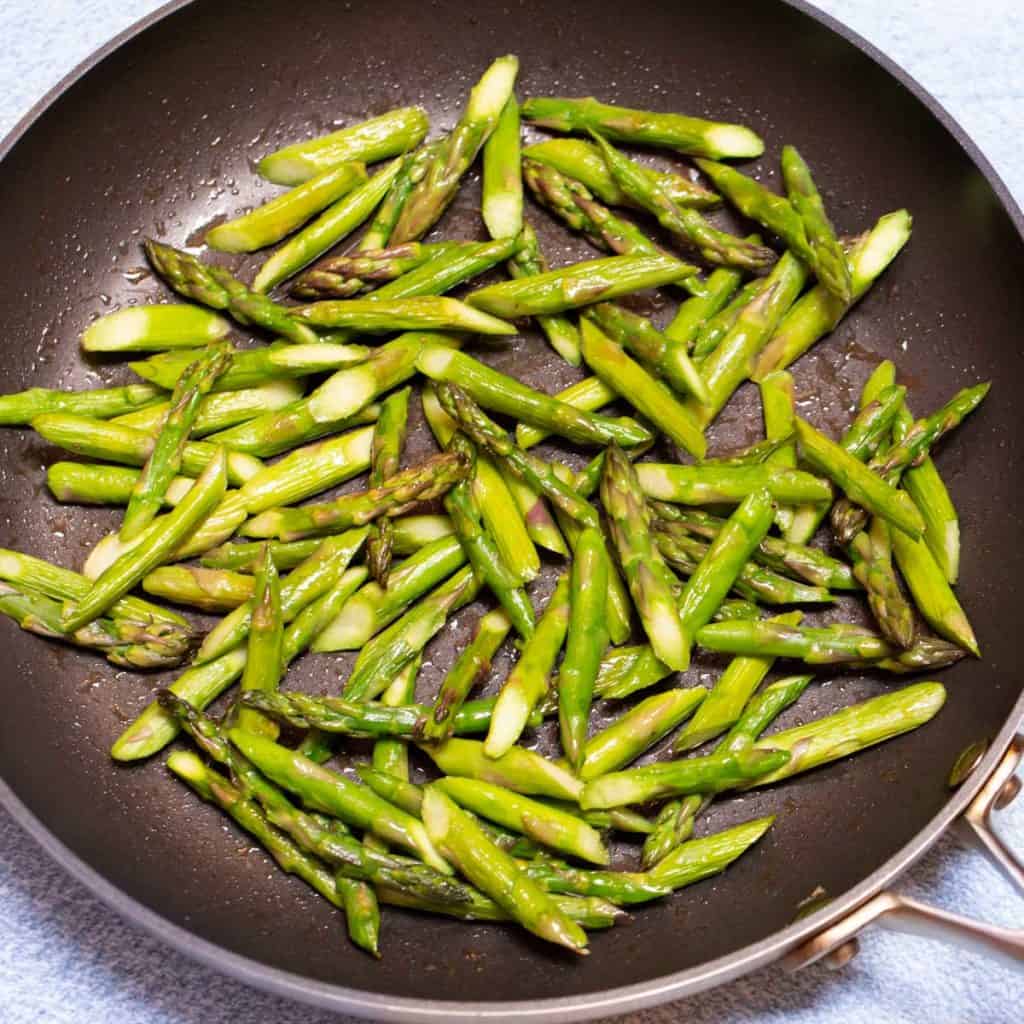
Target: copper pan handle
{"x": 839, "y": 943}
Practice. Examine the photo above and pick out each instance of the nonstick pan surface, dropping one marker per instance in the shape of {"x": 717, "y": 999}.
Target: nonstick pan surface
{"x": 158, "y": 138}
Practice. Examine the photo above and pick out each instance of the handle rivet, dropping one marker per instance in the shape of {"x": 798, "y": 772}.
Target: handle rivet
{"x": 1008, "y": 793}
{"x": 842, "y": 955}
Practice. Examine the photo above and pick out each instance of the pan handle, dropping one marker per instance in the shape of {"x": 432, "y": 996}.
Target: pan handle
{"x": 838, "y": 944}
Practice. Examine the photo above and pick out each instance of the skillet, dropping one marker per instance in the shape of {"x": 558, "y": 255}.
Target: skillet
{"x": 155, "y": 136}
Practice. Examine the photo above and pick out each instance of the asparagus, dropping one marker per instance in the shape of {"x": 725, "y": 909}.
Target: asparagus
{"x": 654, "y": 349}
{"x": 209, "y": 590}
{"x": 527, "y": 683}
{"x": 618, "y": 887}
{"x": 543, "y": 823}
{"x": 726, "y": 485}
{"x": 852, "y": 729}
{"x": 472, "y": 664}
{"x": 254, "y": 366}
{"x": 341, "y": 277}
{"x": 650, "y": 582}
{"x": 579, "y": 285}
{"x": 729, "y": 365}
{"x": 386, "y": 456}
{"x": 533, "y": 508}
{"x": 837, "y": 644}
{"x": 585, "y": 642}
{"x": 717, "y": 571}
{"x": 710, "y": 334}
{"x": 151, "y": 645}
{"x": 488, "y": 867}
{"x": 932, "y": 593}
{"x": 21, "y": 407}
{"x": 324, "y": 790}
{"x": 697, "y": 310}
{"x": 725, "y": 704}
{"x": 692, "y": 227}
{"x": 393, "y": 649}
{"x": 871, "y": 554}
{"x": 382, "y": 315}
{"x": 483, "y": 552}
{"x": 86, "y": 484}
{"x": 860, "y": 483}
{"x": 688, "y": 135}
{"x": 415, "y": 532}
{"x": 337, "y": 221}
{"x": 158, "y": 541}
{"x": 449, "y": 268}
{"x": 389, "y": 754}
{"x": 373, "y": 608}
{"x": 217, "y": 288}
{"x": 710, "y": 774}
{"x": 501, "y": 203}
{"x": 315, "y": 576}
{"x": 502, "y": 394}
{"x": 272, "y": 221}
{"x": 819, "y": 311}
{"x": 29, "y": 573}
{"x": 397, "y": 494}
{"x": 153, "y": 329}
{"x": 645, "y": 393}
{"x": 387, "y": 135}
{"x": 262, "y": 672}
{"x": 626, "y": 670}
{"x": 588, "y": 394}
{"x": 165, "y": 460}
{"x": 637, "y": 730}
{"x": 518, "y": 769}
{"x": 700, "y": 858}
{"x": 582, "y": 161}
{"x": 778, "y": 407}
{"x": 911, "y": 449}
{"x": 534, "y": 471}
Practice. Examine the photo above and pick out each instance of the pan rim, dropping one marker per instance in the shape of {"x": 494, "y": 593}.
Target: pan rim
{"x": 624, "y": 999}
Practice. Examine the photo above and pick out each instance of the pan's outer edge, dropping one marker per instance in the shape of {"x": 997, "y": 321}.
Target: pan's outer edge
{"x": 572, "y": 1008}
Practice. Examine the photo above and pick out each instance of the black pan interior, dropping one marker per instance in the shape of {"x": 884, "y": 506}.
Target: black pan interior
{"x": 159, "y": 139}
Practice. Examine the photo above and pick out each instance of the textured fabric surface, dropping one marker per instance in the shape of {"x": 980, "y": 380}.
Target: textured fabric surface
{"x": 64, "y": 957}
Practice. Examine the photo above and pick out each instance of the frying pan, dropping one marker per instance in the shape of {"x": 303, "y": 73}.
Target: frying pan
{"x": 154, "y": 136}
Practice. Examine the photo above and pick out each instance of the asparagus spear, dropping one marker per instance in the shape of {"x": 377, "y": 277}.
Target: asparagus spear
{"x": 579, "y": 285}
{"x": 163, "y": 464}
{"x": 871, "y": 554}
{"x": 431, "y": 195}
{"x": 527, "y": 683}
{"x": 656, "y": 350}
{"x": 341, "y": 277}
{"x": 696, "y": 311}
{"x": 585, "y": 643}
{"x": 389, "y": 134}
{"x": 688, "y": 135}
{"x": 209, "y": 590}
{"x": 729, "y": 365}
{"x": 472, "y": 664}
{"x": 726, "y": 485}
{"x": 827, "y": 256}
{"x": 397, "y": 494}
{"x": 337, "y": 221}
{"x": 158, "y": 541}
{"x": 710, "y": 774}
{"x": 393, "y": 649}
{"x": 637, "y": 730}
{"x": 518, "y": 769}
{"x": 502, "y": 394}
{"x": 819, "y": 311}
{"x": 386, "y": 456}
{"x": 21, "y": 407}
{"x": 501, "y": 203}
{"x": 389, "y": 754}
{"x": 413, "y": 168}
{"x": 488, "y": 867}
{"x": 316, "y": 575}
{"x": 839, "y": 643}
{"x": 588, "y": 394}
{"x": 618, "y": 887}
{"x": 778, "y": 407}
{"x": 262, "y": 672}
{"x": 153, "y": 645}
{"x": 153, "y": 329}
{"x": 382, "y": 316}
{"x": 650, "y": 582}
{"x": 559, "y": 330}
{"x": 254, "y": 366}
{"x": 582, "y": 161}
{"x": 859, "y": 482}
{"x": 717, "y": 572}
{"x": 709, "y": 335}
{"x": 626, "y": 670}
{"x": 692, "y": 227}
{"x": 690, "y": 862}
{"x": 852, "y": 729}
{"x": 649, "y": 396}
{"x": 101, "y": 439}
{"x": 449, "y": 268}
{"x": 217, "y": 288}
